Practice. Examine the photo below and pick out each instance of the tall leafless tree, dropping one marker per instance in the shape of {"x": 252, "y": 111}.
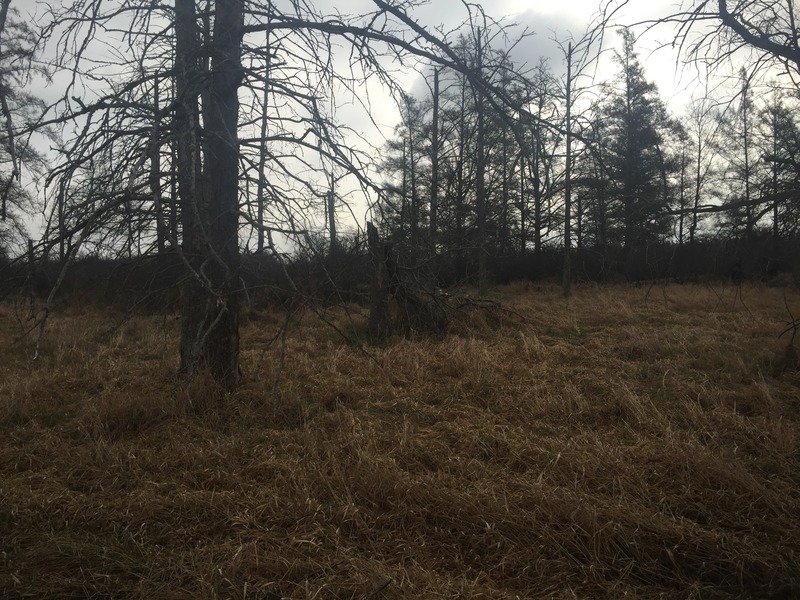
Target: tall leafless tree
{"x": 210, "y": 60}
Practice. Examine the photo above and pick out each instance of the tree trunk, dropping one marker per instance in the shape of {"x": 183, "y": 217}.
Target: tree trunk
{"x": 379, "y": 326}
{"x": 508, "y": 171}
{"x": 412, "y": 172}
{"x": 775, "y": 222}
{"x": 434, "y": 162}
{"x": 188, "y": 166}
{"x": 262, "y": 157}
{"x": 698, "y": 181}
{"x": 523, "y": 242}
{"x": 221, "y": 149}
{"x": 209, "y": 202}
{"x": 567, "y": 282}
{"x": 460, "y": 179}
{"x": 480, "y": 175}
{"x": 9, "y": 128}
{"x": 155, "y": 173}
{"x": 749, "y": 210}
{"x": 331, "y": 208}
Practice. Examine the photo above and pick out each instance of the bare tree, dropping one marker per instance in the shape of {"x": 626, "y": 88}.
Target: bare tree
{"x": 214, "y": 115}
{"x": 765, "y": 32}
{"x": 702, "y": 124}
{"x": 18, "y": 158}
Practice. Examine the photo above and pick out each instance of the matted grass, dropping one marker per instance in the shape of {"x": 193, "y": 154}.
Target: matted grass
{"x": 627, "y": 443}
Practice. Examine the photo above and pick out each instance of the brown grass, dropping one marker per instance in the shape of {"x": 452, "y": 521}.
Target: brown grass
{"x": 621, "y": 444}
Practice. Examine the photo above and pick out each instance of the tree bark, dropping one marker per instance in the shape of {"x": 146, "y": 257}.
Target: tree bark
{"x": 480, "y": 175}
{"x": 221, "y": 189}
{"x": 379, "y": 326}
{"x": 187, "y": 154}
{"x": 209, "y": 197}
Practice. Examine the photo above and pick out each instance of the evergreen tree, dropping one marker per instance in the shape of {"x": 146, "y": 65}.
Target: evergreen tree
{"x": 778, "y": 139}
{"x": 637, "y": 132}
{"x": 405, "y": 162}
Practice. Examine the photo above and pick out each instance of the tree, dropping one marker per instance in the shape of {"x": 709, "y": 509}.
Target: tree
{"x": 594, "y": 187}
{"x": 635, "y": 154}
{"x": 702, "y": 132}
{"x": 480, "y": 162}
{"x": 721, "y": 34}
{"x": 739, "y": 174}
{"x": 457, "y": 142}
{"x": 567, "y": 279}
{"x": 210, "y": 60}
{"x": 763, "y": 33}
{"x": 403, "y": 161}
{"x": 435, "y": 154}
{"x": 542, "y": 94}
{"x": 217, "y": 212}
{"x": 18, "y": 108}
{"x": 777, "y": 134}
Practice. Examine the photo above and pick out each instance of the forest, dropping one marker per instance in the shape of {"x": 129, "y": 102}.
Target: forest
{"x": 307, "y": 302}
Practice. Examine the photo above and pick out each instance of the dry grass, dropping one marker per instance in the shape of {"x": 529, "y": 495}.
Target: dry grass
{"x": 623, "y": 444}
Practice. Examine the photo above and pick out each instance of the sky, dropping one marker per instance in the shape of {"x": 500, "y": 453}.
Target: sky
{"x": 551, "y": 20}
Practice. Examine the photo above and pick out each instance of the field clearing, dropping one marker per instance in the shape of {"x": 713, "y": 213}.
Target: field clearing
{"x": 632, "y": 442}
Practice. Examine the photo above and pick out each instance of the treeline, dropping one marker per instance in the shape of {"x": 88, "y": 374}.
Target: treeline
{"x": 707, "y": 193}
{"x": 475, "y": 182}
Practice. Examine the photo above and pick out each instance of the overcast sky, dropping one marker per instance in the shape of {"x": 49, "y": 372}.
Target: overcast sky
{"x": 550, "y": 20}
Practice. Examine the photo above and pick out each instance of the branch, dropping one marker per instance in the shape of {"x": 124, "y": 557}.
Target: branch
{"x": 762, "y": 42}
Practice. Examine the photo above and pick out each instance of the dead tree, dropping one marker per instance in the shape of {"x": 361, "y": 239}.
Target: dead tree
{"x": 393, "y": 286}
{"x": 380, "y": 253}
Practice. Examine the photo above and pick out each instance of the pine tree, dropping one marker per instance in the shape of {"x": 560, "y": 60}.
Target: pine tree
{"x": 638, "y": 129}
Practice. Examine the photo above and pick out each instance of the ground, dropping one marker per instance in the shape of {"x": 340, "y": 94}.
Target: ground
{"x": 636, "y": 442}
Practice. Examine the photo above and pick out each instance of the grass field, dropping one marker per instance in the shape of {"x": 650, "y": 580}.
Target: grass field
{"x": 632, "y": 442}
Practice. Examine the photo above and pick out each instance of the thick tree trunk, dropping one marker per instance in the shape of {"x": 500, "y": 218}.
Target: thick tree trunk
{"x": 221, "y": 149}
{"x": 209, "y": 202}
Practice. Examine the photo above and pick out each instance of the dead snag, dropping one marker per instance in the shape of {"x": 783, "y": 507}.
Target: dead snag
{"x": 391, "y": 282}
{"x": 380, "y": 252}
